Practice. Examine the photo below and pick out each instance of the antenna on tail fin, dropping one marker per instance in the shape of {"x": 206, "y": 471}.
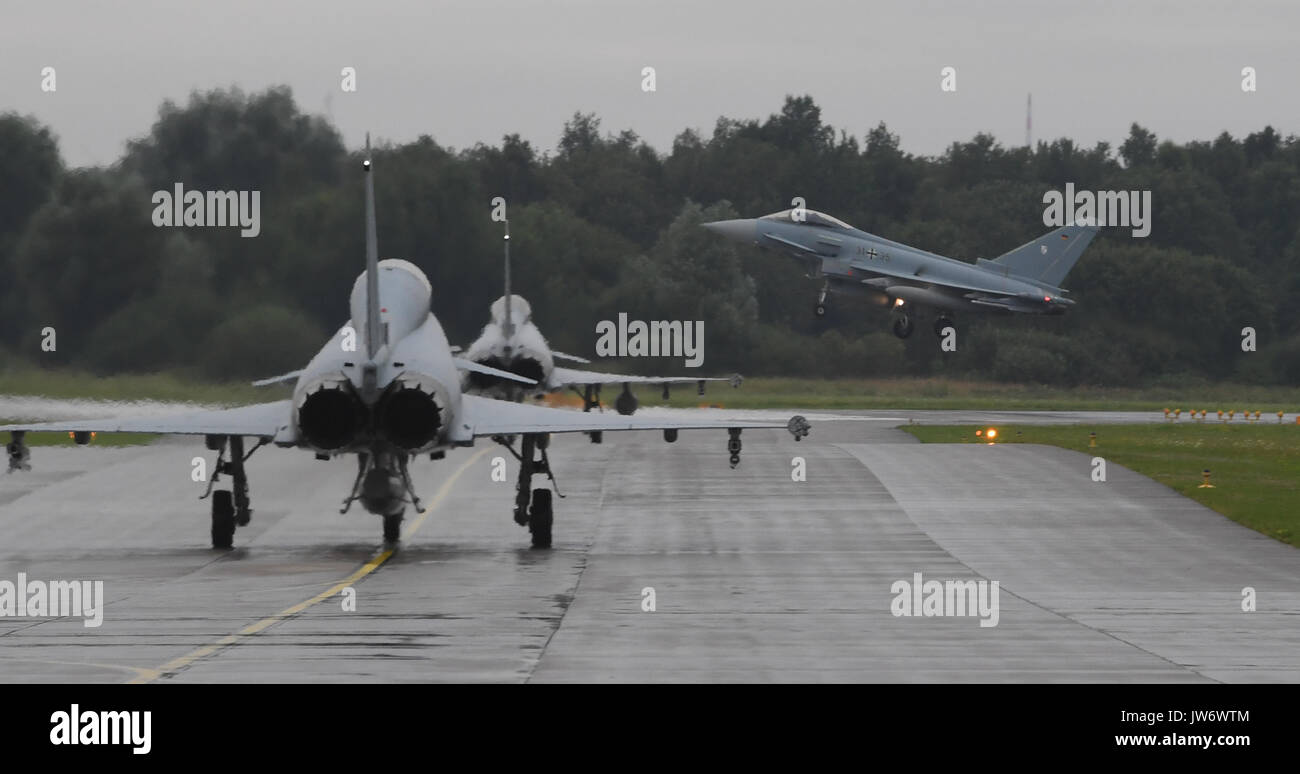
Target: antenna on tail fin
{"x": 373, "y": 330}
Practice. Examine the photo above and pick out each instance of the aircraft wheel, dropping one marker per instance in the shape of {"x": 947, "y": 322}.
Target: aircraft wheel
{"x": 903, "y": 326}
{"x": 393, "y": 527}
{"x": 223, "y": 519}
{"x": 942, "y": 322}
{"x": 540, "y": 518}
{"x": 820, "y": 310}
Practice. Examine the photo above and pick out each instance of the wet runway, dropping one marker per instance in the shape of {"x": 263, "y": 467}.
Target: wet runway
{"x": 755, "y": 576}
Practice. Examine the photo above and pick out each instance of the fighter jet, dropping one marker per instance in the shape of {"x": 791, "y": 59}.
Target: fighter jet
{"x": 512, "y": 342}
{"x": 398, "y": 398}
{"x": 847, "y": 260}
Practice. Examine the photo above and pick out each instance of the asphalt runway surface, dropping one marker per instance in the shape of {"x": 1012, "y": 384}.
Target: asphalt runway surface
{"x": 755, "y": 576}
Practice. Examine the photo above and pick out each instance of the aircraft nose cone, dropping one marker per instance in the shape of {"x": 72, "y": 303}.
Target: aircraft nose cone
{"x": 735, "y": 230}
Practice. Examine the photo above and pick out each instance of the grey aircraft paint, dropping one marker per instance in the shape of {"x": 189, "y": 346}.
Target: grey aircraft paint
{"x": 384, "y": 389}
{"x": 1025, "y": 280}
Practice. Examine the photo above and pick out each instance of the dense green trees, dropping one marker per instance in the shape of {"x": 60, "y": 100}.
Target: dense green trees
{"x": 606, "y": 224}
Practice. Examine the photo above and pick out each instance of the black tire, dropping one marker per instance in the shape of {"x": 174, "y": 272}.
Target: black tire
{"x": 942, "y": 322}
{"x": 903, "y": 326}
{"x": 393, "y": 527}
{"x": 223, "y": 519}
{"x": 540, "y": 518}
{"x": 820, "y": 310}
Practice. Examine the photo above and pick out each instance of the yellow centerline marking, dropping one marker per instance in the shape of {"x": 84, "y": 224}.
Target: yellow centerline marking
{"x": 176, "y": 664}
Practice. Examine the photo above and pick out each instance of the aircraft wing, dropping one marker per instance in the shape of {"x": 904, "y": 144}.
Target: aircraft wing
{"x": 261, "y": 419}
{"x": 921, "y": 278}
{"x": 564, "y": 377}
{"x": 488, "y": 417}
{"x": 479, "y": 368}
{"x": 292, "y": 376}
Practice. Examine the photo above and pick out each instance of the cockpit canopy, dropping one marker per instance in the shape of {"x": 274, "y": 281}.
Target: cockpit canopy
{"x": 807, "y": 218}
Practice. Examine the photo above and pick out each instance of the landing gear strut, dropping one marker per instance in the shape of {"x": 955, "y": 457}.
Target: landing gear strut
{"x": 591, "y": 400}
{"x": 941, "y": 322}
{"x": 533, "y": 460}
{"x": 18, "y": 453}
{"x": 590, "y": 396}
{"x": 230, "y": 508}
{"x": 393, "y": 526}
{"x": 820, "y": 308}
{"x": 383, "y": 485}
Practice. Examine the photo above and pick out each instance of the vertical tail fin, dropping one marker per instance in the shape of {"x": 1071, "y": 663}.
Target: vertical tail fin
{"x": 1048, "y": 258}
{"x": 509, "y": 329}
{"x": 373, "y": 340}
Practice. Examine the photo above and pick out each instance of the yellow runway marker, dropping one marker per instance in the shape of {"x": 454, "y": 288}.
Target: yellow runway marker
{"x": 140, "y": 671}
{"x": 176, "y": 664}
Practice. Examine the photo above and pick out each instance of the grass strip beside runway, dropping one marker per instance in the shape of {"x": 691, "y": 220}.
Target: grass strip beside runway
{"x": 63, "y": 439}
{"x": 1255, "y": 468}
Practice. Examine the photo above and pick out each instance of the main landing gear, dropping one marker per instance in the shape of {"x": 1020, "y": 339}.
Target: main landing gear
{"x": 231, "y": 508}
{"x": 533, "y": 506}
{"x": 591, "y": 400}
{"x": 18, "y": 452}
{"x": 903, "y": 325}
{"x": 941, "y": 322}
{"x": 820, "y": 309}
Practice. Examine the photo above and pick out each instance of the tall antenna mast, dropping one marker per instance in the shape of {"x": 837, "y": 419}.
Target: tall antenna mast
{"x": 1029, "y": 122}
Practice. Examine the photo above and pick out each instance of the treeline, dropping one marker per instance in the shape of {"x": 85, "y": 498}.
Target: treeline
{"x": 606, "y": 224}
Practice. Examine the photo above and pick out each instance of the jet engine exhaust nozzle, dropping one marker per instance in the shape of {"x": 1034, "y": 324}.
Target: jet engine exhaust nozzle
{"x": 330, "y": 415}
{"x": 409, "y": 416}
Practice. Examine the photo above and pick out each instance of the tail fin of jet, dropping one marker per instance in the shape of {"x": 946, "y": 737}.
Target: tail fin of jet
{"x": 373, "y": 329}
{"x": 1048, "y": 258}
{"x": 509, "y": 328}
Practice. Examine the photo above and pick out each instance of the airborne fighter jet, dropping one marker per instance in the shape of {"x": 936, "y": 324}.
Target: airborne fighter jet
{"x": 1025, "y": 281}
{"x": 512, "y": 342}
{"x": 399, "y": 398}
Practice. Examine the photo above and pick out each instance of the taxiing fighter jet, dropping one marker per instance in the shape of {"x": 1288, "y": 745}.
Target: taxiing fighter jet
{"x": 399, "y": 398}
{"x": 1026, "y": 280}
{"x": 512, "y": 342}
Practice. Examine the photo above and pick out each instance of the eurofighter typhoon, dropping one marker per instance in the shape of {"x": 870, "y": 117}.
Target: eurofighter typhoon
{"x": 399, "y": 398}
{"x": 1025, "y": 280}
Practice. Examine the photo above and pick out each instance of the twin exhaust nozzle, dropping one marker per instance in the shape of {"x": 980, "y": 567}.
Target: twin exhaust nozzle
{"x": 331, "y": 417}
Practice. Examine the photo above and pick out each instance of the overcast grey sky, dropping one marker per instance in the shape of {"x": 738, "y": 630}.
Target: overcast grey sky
{"x": 469, "y": 72}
